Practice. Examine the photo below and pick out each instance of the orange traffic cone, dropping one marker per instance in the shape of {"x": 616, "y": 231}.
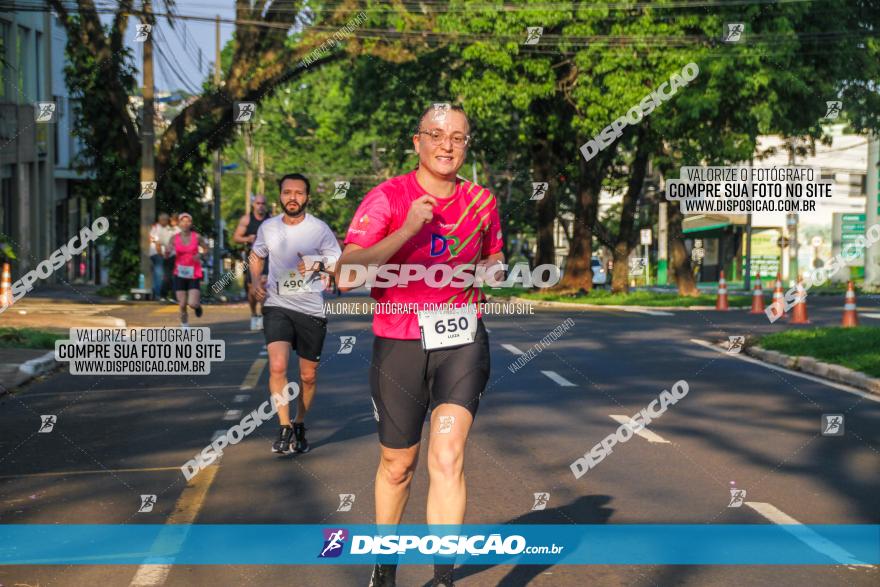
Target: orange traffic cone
{"x": 799, "y": 312}
{"x": 6, "y": 286}
{"x": 721, "y": 303}
{"x": 757, "y": 297}
{"x": 777, "y": 306}
{"x": 850, "y": 316}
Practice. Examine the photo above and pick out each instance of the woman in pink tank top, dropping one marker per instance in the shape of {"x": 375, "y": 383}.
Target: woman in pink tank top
{"x": 187, "y": 268}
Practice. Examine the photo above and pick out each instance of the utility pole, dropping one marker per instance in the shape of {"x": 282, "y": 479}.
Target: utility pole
{"x": 872, "y": 213}
{"x": 791, "y": 222}
{"x": 218, "y": 221}
{"x": 261, "y": 178}
{"x": 148, "y": 170}
{"x": 248, "y": 166}
{"x": 747, "y": 278}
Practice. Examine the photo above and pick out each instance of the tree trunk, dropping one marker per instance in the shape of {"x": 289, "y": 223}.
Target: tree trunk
{"x": 546, "y": 207}
{"x": 626, "y": 236}
{"x": 680, "y": 268}
{"x": 578, "y": 270}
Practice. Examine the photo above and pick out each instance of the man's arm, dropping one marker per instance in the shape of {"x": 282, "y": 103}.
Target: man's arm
{"x": 238, "y": 236}
{"x": 255, "y": 266}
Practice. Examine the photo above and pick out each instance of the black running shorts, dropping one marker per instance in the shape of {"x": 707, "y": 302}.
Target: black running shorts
{"x": 184, "y": 284}
{"x": 406, "y": 381}
{"x": 305, "y": 333}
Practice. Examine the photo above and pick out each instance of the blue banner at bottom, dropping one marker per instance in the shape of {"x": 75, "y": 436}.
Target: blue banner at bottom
{"x": 248, "y": 544}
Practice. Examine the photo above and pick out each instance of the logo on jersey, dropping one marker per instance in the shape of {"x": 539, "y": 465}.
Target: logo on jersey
{"x": 440, "y": 244}
{"x": 334, "y": 541}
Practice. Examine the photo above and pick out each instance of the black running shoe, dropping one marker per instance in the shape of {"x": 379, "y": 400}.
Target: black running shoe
{"x": 384, "y": 576}
{"x": 302, "y": 445}
{"x": 199, "y": 312}
{"x": 442, "y": 576}
{"x": 282, "y": 445}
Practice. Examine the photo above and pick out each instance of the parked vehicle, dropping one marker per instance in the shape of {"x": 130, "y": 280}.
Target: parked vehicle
{"x": 600, "y": 276}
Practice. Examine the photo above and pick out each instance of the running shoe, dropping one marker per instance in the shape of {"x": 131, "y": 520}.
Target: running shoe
{"x": 384, "y": 576}
{"x": 282, "y": 445}
{"x": 255, "y": 323}
{"x": 199, "y": 311}
{"x": 302, "y": 445}
{"x": 184, "y": 326}
{"x": 259, "y": 322}
{"x": 442, "y": 576}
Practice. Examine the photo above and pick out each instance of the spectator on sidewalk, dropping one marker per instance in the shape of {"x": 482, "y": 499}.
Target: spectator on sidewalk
{"x": 160, "y": 239}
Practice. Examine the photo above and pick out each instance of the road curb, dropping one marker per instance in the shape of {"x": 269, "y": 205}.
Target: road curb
{"x": 611, "y": 307}
{"x": 30, "y": 370}
{"x": 815, "y": 367}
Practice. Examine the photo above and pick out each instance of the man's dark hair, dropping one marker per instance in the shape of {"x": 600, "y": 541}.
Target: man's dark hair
{"x": 452, "y": 108}
{"x": 298, "y": 176}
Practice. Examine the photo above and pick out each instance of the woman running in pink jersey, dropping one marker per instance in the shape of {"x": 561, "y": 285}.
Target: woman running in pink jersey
{"x": 187, "y": 268}
{"x": 435, "y": 360}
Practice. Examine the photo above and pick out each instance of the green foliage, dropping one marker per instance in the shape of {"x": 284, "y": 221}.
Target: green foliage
{"x": 856, "y": 348}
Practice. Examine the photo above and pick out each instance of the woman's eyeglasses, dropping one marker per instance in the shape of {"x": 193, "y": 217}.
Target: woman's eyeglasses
{"x": 438, "y": 137}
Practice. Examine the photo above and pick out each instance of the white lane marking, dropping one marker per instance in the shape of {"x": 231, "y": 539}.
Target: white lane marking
{"x": 241, "y": 397}
{"x": 835, "y": 385}
{"x": 156, "y": 568}
{"x": 264, "y": 354}
{"x": 644, "y": 432}
{"x": 512, "y": 349}
{"x": 232, "y": 415}
{"x": 648, "y": 312}
{"x": 556, "y": 377}
{"x": 809, "y": 537}
{"x": 253, "y": 374}
{"x": 870, "y": 315}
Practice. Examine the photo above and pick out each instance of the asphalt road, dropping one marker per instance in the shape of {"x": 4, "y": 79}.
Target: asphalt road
{"x": 741, "y": 424}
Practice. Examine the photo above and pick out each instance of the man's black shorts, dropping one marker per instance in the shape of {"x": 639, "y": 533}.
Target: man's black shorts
{"x": 305, "y": 333}
{"x": 406, "y": 381}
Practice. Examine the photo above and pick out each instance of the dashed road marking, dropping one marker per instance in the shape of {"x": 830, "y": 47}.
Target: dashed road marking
{"x": 648, "y": 312}
{"x": 232, "y": 415}
{"x": 870, "y": 315}
{"x": 241, "y": 398}
{"x": 644, "y": 432}
{"x": 557, "y": 378}
{"x": 806, "y": 535}
{"x": 512, "y": 349}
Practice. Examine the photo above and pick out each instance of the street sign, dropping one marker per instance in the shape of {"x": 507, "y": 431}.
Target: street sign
{"x": 782, "y": 241}
{"x": 646, "y": 236}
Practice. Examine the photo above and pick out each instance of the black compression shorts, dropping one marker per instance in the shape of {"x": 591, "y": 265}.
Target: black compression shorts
{"x": 406, "y": 381}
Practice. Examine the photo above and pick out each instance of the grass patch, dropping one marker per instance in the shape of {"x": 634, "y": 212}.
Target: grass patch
{"x": 28, "y": 338}
{"x": 856, "y": 348}
{"x": 603, "y": 297}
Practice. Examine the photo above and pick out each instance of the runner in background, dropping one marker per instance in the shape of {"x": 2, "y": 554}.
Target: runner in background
{"x": 426, "y": 217}
{"x": 187, "y": 268}
{"x": 246, "y": 234}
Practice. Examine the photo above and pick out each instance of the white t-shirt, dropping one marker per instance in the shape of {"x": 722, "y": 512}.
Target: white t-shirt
{"x": 284, "y": 244}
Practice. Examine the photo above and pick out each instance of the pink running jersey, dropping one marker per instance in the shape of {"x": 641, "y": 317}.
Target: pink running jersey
{"x": 465, "y": 229}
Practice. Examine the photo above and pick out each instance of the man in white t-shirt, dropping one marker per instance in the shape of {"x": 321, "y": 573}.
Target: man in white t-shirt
{"x": 302, "y": 250}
